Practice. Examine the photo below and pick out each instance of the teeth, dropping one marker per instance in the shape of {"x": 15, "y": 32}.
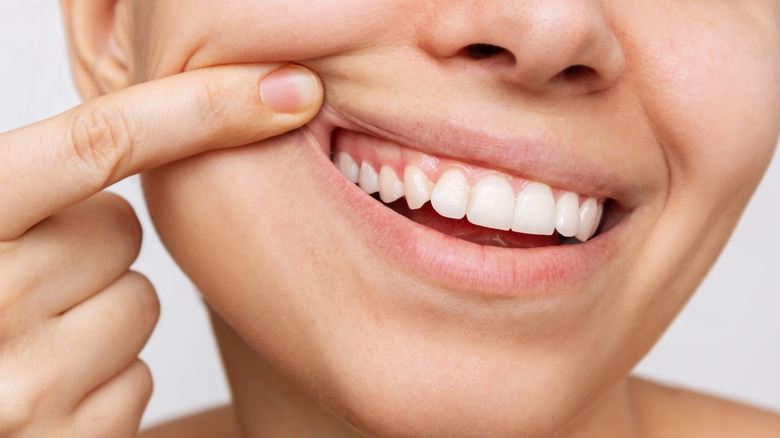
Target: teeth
{"x": 368, "y": 179}
{"x": 418, "y": 187}
{"x": 535, "y": 210}
{"x": 588, "y": 213}
{"x": 450, "y": 195}
{"x": 390, "y": 187}
{"x": 567, "y": 214}
{"x": 492, "y": 203}
{"x": 347, "y": 166}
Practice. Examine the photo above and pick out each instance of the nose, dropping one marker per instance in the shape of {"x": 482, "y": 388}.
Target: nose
{"x": 538, "y": 45}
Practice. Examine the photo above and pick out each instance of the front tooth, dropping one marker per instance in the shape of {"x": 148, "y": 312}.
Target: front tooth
{"x": 368, "y": 179}
{"x": 588, "y": 213}
{"x": 535, "y": 210}
{"x": 567, "y": 214}
{"x": 492, "y": 203}
{"x": 450, "y": 195}
{"x": 418, "y": 187}
{"x": 347, "y": 165}
{"x": 390, "y": 187}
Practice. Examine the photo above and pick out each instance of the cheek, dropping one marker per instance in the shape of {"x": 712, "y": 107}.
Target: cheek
{"x": 261, "y": 31}
{"x": 215, "y": 213}
{"x": 714, "y": 104}
{"x": 247, "y": 227}
{"x": 710, "y": 91}
{"x": 725, "y": 128}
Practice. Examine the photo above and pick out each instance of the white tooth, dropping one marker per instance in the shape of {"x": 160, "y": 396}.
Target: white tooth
{"x": 368, "y": 179}
{"x": 535, "y": 210}
{"x": 418, "y": 187}
{"x": 588, "y": 213}
{"x": 450, "y": 195}
{"x": 390, "y": 187}
{"x": 567, "y": 214}
{"x": 347, "y": 165}
{"x": 492, "y": 203}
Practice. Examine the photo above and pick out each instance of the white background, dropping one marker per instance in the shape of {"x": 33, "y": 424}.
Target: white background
{"x": 726, "y": 342}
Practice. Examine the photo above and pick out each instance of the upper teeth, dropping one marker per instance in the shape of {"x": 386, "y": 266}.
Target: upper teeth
{"x": 491, "y": 202}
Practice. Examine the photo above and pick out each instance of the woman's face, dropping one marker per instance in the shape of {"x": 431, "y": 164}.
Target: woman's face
{"x": 666, "y": 113}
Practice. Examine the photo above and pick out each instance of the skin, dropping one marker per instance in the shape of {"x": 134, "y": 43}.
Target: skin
{"x": 73, "y": 317}
{"x": 312, "y": 331}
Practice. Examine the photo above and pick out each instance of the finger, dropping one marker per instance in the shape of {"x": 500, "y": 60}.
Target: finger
{"x": 114, "y": 409}
{"x": 74, "y": 254}
{"x": 103, "y": 335}
{"x": 57, "y": 162}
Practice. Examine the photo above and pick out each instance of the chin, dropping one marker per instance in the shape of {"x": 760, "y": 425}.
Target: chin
{"x": 392, "y": 311}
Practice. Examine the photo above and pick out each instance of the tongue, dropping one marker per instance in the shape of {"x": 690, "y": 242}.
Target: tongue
{"x": 465, "y": 230}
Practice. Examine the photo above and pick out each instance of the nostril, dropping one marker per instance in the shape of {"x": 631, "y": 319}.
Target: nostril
{"x": 483, "y": 51}
{"x": 578, "y": 72}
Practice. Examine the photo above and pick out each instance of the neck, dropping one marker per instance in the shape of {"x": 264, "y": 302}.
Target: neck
{"x": 614, "y": 416}
{"x": 266, "y": 403}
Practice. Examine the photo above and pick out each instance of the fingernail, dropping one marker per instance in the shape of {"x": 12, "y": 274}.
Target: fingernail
{"x": 289, "y": 90}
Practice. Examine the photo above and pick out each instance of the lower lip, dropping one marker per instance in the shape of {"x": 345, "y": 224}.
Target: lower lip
{"x": 459, "y": 266}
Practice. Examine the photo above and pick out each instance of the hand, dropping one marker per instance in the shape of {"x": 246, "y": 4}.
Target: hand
{"x": 73, "y": 318}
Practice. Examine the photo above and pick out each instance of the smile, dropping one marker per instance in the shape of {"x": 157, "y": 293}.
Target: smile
{"x": 489, "y": 199}
{"x": 473, "y": 228}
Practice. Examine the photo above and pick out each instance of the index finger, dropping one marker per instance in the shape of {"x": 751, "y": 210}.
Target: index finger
{"x": 58, "y": 162}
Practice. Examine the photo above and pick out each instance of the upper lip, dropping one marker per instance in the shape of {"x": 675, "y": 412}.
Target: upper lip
{"x": 526, "y": 155}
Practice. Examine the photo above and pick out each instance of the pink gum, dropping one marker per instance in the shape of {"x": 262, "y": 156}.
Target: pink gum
{"x": 379, "y": 153}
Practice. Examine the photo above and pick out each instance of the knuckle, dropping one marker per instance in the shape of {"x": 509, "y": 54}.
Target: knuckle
{"x": 124, "y": 219}
{"x": 10, "y": 254}
{"x": 19, "y": 407}
{"x": 121, "y": 415}
{"x": 145, "y": 383}
{"x": 148, "y": 301}
{"x": 8, "y": 319}
{"x": 101, "y": 141}
{"x": 7, "y": 304}
{"x": 12, "y": 288}
{"x": 211, "y": 103}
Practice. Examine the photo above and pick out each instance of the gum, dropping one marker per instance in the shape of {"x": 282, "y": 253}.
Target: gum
{"x": 379, "y": 153}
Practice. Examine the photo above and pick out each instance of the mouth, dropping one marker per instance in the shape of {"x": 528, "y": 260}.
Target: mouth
{"x": 476, "y": 204}
{"x": 465, "y": 222}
